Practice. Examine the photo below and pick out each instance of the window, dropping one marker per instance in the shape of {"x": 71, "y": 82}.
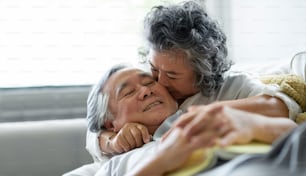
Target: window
{"x": 51, "y": 51}
{"x": 66, "y": 42}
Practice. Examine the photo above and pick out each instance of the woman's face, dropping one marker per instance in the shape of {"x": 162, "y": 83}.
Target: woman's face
{"x": 172, "y": 70}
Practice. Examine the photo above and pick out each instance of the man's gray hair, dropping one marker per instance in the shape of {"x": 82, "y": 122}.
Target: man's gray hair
{"x": 97, "y": 101}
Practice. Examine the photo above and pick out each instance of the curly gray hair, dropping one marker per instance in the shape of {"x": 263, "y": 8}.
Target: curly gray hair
{"x": 187, "y": 27}
{"x": 97, "y": 101}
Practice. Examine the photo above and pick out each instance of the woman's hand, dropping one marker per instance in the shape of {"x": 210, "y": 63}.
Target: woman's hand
{"x": 216, "y": 124}
{"x": 170, "y": 155}
{"x": 130, "y": 136}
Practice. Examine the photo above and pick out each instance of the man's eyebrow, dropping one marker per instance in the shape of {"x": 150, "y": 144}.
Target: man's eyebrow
{"x": 120, "y": 88}
{"x": 145, "y": 75}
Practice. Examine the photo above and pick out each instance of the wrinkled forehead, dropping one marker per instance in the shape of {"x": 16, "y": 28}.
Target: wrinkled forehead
{"x": 123, "y": 77}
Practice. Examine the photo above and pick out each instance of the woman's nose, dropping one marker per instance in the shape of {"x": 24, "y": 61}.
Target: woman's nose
{"x": 162, "y": 79}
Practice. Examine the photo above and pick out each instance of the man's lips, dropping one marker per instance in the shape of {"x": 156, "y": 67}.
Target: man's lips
{"x": 151, "y": 105}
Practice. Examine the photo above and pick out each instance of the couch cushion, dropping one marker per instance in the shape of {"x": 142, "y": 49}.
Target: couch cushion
{"x": 45, "y": 148}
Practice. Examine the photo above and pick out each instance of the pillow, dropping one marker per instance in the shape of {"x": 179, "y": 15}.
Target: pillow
{"x": 292, "y": 85}
{"x": 298, "y": 64}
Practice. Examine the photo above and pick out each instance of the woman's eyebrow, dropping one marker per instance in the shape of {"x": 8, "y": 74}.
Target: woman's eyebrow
{"x": 151, "y": 64}
{"x": 168, "y": 72}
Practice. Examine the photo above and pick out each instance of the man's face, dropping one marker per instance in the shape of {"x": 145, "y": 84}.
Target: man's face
{"x": 172, "y": 70}
{"x": 136, "y": 97}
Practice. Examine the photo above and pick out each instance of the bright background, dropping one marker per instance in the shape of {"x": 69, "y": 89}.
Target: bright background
{"x": 69, "y": 42}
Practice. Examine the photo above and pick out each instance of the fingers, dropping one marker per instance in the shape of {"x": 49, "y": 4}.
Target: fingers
{"x": 131, "y": 136}
{"x": 205, "y": 139}
{"x": 204, "y": 118}
{"x": 120, "y": 144}
{"x": 228, "y": 139}
{"x": 206, "y": 125}
{"x": 146, "y": 137}
{"x": 140, "y": 135}
{"x": 183, "y": 120}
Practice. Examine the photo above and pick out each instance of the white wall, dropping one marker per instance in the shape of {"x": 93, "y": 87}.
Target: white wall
{"x": 262, "y": 31}
{"x": 66, "y": 42}
{"x": 56, "y": 42}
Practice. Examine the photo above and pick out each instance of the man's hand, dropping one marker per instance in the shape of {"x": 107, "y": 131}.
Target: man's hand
{"x": 131, "y": 135}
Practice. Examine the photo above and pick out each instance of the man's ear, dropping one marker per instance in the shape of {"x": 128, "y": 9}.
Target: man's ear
{"x": 108, "y": 124}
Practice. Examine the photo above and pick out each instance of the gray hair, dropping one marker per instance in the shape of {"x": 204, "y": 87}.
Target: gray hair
{"x": 97, "y": 101}
{"x": 187, "y": 27}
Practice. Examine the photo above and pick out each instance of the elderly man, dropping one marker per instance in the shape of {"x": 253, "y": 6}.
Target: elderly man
{"x": 129, "y": 95}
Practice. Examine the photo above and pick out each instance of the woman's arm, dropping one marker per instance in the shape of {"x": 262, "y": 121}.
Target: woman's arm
{"x": 221, "y": 126}
{"x": 261, "y": 104}
{"x": 227, "y": 125}
{"x": 171, "y": 154}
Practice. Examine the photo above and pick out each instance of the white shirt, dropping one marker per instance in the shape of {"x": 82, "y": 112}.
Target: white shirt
{"x": 238, "y": 85}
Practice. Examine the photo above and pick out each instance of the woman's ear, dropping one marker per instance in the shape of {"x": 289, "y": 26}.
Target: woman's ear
{"x": 108, "y": 124}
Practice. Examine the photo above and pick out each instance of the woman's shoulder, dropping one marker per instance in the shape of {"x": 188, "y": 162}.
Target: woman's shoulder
{"x": 234, "y": 75}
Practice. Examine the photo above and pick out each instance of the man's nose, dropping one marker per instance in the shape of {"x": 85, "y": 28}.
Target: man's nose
{"x": 144, "y": 92}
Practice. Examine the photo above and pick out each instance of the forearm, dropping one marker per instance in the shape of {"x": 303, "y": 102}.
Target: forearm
{"x": 269, "y": 129}
{"x": 171, "y": 154}
{"x": 262, "y": 104}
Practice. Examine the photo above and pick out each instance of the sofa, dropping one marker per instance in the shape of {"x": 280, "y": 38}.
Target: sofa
{"x": 42, "y": 148}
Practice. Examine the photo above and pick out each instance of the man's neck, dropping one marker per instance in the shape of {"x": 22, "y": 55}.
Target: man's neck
{"x": 166, "y": 125}
{"x": 152, "y": 129}
{"x": 180, "y": 101}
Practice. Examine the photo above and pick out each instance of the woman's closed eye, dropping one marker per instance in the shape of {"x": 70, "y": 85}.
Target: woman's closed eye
{"x": 154, "y": 70}
{"x": 171, "y": 76}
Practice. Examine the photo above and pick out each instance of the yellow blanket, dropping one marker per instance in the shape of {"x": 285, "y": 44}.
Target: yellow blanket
{"x": 203, "y": 159}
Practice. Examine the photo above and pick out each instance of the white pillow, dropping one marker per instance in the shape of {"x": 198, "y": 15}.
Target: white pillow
{"x": 298, "y": 64}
